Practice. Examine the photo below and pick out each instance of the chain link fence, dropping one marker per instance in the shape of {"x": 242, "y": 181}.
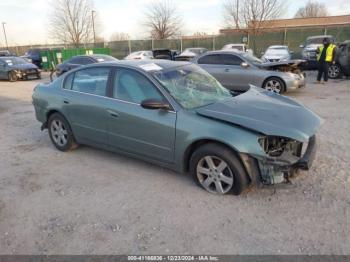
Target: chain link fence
{"x": 292, "y": 37}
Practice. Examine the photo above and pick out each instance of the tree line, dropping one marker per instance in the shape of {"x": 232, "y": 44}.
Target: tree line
{"x": 76, "y": 22}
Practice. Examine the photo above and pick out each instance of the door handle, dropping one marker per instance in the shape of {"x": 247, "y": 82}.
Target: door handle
{"x": 66, "y": 101}
{"x": 112, "y": 113}
{"x": 227, "y": 70}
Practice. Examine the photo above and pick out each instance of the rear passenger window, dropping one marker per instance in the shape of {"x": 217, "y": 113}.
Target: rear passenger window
{"x": 210, "y": 60}
{"x": 91, "y": 81}
{"x": 231, "y": 60}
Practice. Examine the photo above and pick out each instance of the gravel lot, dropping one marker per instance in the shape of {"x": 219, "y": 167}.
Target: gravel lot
{"x": 93, "y": 202}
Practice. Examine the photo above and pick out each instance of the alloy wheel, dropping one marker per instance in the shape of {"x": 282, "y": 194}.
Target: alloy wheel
{"x": 59, "y": 132}
{"x": 273, "y": 86}
{"x": 333, "y": 71}
{"x": 215, "y": 175}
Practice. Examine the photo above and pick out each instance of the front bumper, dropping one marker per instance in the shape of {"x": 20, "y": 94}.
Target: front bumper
{"x": 306, "y": 161}
{"x": 294, "y": 84}
{"x": 270, "y": 171}
{"x": 28, "y": 74}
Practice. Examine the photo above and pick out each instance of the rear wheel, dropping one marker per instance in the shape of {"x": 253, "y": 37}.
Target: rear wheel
{"x": 12, "y": 76}
{"x": 60, "y": 133}
{"x": 274, "y": 84}
{"x": 334, "y": 71}
{"x": 217, "y": 169}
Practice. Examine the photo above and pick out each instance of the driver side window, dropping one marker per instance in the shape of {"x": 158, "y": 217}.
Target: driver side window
{"x": 132, "y": 86}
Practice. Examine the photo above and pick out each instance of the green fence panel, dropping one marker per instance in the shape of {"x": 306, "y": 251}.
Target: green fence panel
{"x": 50, "y": 58}
{"x": 68, "y": 53}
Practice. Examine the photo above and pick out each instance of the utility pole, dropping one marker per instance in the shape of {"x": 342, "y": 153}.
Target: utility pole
{"x": 93, "y": 25}
{"x": 3, "y": 27}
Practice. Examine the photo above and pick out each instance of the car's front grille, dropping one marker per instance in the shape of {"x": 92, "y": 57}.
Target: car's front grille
{"x": 31, "y": 71}
{"x": 273, "y": 60}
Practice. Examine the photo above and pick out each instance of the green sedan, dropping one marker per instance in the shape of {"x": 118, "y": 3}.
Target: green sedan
{"x": 176, "y": 115}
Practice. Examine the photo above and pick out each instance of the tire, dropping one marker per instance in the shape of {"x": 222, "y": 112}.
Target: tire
{"x": 60, "y": 133}
{"x": 334, "y": 71}
{"x": 210, "y": 175}
{"x": 12, "y": 76}
{"x": 274, "y": 84}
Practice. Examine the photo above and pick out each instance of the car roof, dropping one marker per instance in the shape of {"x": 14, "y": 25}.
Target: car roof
{"x": 137, "y": 64}
{"x": 278, "y": 46}
{"x": 92, "y": 56}
{"x": 225, "y": 52}
{"x": 320, "y": 36}
{"x": 9, "y": 57}
{"x": 237, "y": 44}
{"x": 196, "y": 48}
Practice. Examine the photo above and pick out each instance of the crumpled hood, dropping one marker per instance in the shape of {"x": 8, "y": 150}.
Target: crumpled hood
{"x": 265, "y": 112}
{"x": 292, "y": 62}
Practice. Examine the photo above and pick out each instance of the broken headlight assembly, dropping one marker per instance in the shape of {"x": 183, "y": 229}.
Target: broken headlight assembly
{"x": 275, "y": 146}
{"x": 283, "y": 153}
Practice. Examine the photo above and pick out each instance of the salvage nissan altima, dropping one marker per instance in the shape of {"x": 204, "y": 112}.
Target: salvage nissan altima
{"x": 178, "y": 116}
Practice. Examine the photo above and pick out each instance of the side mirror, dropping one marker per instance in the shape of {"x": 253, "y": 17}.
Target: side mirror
{"x": 301, "y": 46}
{"x": 155, "y": 104}
{"x": 262, "y": 53}
{"x": 244, "y": 65}
{"x": 291, "y": 52}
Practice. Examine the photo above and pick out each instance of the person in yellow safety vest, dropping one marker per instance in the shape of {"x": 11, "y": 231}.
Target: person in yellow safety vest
{"x": 325, "y": 57}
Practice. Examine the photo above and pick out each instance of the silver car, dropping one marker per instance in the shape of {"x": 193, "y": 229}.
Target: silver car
{"x": 238, "y": 70}
{"x": 277, "y": 53}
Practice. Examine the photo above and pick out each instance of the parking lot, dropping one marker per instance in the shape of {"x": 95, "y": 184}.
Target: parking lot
{"x": 90, "y": 201}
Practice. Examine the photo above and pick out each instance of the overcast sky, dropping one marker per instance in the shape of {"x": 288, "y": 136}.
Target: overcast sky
{"x": 26, "y": 19}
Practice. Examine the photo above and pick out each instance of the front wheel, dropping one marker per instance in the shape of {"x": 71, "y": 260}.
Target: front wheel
{"x": 274, "y": 84}
{"x": 217, "y": 169}
{"x": 12, "y": 76}
{"x": 60, "y": 133}
{"x": 334, "y": 71}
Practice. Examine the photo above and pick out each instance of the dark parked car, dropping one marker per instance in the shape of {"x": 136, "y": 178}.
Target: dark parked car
{"x": 176, "y": 115}
{"x": 82, "y": 60}
{"x": 34, "y": 56}
{"x": 14, "y": 68}
{"x": 165, "y": 54}
{"x": 342, "y": 61}
{"x": 6, "y": 53}
{"x": 309, "y": 52}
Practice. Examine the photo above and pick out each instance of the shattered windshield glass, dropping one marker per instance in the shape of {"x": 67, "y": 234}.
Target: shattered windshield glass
{"x": 191, "y": 86}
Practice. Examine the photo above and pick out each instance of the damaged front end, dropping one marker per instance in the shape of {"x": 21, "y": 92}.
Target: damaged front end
{"x": 284, "y": 157}
{"x": 292, "y": 66}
